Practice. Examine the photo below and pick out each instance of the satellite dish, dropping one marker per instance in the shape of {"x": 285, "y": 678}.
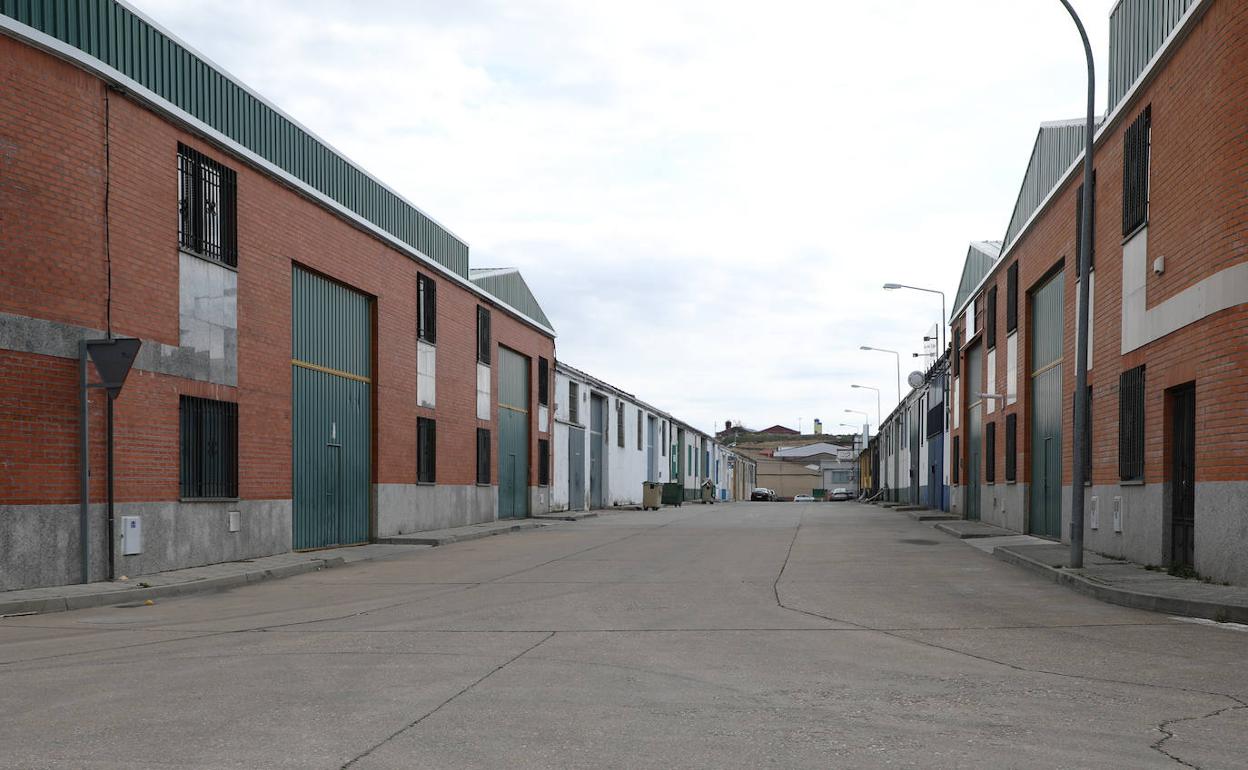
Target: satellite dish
{"x": 915, "y": 379}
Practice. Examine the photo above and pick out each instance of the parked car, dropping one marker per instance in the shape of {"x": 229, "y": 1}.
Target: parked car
{"x": 763, "y": 494}
{"x": 803, "y": 498}
{"x": 841, "y": 493}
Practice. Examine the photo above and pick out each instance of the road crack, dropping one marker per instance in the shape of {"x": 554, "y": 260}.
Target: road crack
{"x": 1167, "y": 733}
{"x": 451, "y": 699}
{"x": 1163, "y": 727}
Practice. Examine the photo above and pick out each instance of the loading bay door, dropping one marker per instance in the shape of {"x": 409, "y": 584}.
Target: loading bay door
{"x": 331, "y": 412}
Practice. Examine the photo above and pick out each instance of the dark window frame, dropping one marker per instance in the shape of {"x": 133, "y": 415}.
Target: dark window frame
{"x": 1136, "y": 163}
{"x": 1131, "y": 393}
{"x": 1079, "y": 228}
{"x": 1011, "y": 447}
{"x": 484, "y": 467}
{"x": 955, "y": 355}
{"x": 990, "y": 452}
{"x": 207, "y": 449}
{"x": 426, "y": 309}
{"x": 619, "y": 422}
{"x": 543, "y": 462}
{"x": 426, "y": 450}
{"x": 1087, "y": 447}
{"x": 990, "y": 319}
{"x": 574, "y": 402}
{"x": 640, "y": 440}
{"x": 1011, "y": 298}
{"x": 484, "y": 341}
{"x": 956, "y": 457}
{"x": 198, "y": 177}
{"x": 543, "y": 381}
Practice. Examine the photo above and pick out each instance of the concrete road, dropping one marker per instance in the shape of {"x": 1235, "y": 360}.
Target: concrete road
{"x": 746, "y": 635}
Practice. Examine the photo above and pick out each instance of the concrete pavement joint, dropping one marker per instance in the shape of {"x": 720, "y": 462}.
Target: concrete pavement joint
{"x": 444, "y": 703}
{"x": 1163, "y": 726}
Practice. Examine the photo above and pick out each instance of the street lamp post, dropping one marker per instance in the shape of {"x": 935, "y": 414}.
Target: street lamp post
{"x": 929, "y": 291}
{"x": 1081, "y": 330}
{"x": 877, "y": 401}
{"x": 894, "y": 352}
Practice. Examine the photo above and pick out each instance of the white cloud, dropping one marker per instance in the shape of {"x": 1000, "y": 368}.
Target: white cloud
{"x": 705, "y": 196}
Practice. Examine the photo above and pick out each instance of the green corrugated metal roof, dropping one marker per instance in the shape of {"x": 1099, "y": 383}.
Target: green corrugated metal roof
{"x": 1058, "y": 144}
{"x": 980, "y": 258}
{"x": 507, "y": 284}
{"x": 126, "y": 41}
{"x": 1137, "y": 28}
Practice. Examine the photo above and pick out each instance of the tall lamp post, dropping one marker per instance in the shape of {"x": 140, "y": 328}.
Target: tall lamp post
{"x": 894, "y": 352}
{"x": 877, "y": 402}
{"x": 1081, "y": 330}
{"x": 891, "y": 286}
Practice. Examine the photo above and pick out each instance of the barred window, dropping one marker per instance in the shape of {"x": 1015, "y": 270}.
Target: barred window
{"x": 1011, "y": 447}
{"x": 1131, "y": 424}
{"x": 1087, "y": 445}
{"x": 483, "y": 335}
{"x": 209, "y": 447}
{"x": 619, "y": 423}
{"x": 543, "y": 462}
{"x": 1079, "y": 228}
{"x": 956, "y": 459}
{"x": 426, "y": 450}
{"x": 990, "y": 324}
{"x": 663, "y": 440}
{"x": 1135, "y": 161}
{"x": 1011, "y": 298}
{"x": 543, "y": 381}
{"x": 574, "y": 402}
{"x": 207, "y": 207}
{"x": 640, "y": 441}
{"x": 427, "y": 309}
{"x": 990, "y": 452}
{"x": 483, "y": 455}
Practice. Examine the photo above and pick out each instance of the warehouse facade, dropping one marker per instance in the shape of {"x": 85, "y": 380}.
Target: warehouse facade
{"x": 608, "y": 443}
{"x": 1168, "y": 293}
{"x": 319, "y": 365}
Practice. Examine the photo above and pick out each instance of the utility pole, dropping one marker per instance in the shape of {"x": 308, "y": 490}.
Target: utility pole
{"x": 1081, "y": 330}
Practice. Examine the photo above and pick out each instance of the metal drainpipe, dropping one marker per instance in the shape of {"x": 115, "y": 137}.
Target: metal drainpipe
{"x": 1081, "y": 330}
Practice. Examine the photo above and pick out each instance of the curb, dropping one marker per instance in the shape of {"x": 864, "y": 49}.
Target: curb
{"x": 931, "y": 516}
{"x": 954, "y": 532}
{"x": 465, "y": 537}
{"x": 205, "y": 585}
{"x": 1169, "y": 605}
{"x": 564, "y": 516}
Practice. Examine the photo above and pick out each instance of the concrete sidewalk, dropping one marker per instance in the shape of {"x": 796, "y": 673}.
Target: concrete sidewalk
{"x": 1114, "y": 581}
{"x": 217, "y": 577}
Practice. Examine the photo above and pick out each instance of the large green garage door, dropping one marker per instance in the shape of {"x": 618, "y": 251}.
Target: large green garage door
{"x": 513, "y": 434}
{"x": 1047, "y": 328}
{"x": 331, "y": 376}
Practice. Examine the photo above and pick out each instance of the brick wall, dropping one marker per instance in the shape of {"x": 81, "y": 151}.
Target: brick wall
{"x": 52, "y": 119}
{"x": 1197, "y": 220}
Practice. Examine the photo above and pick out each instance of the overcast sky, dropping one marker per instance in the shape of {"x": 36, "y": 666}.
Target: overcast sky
{"x": 706, "y": 197}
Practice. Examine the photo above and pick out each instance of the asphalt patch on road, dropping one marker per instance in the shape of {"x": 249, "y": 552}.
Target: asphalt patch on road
{"x": 918, "y": 541}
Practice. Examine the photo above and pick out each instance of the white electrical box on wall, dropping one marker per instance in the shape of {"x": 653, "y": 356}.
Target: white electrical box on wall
{"x": 1117, "y": 514}
{"x": 234, "y": 520}
{"x": 131, "y": 535}
{"x": 1094, "y": 515}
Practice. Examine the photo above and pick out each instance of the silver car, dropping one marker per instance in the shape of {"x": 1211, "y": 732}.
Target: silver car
{"x": 840, "y": 493}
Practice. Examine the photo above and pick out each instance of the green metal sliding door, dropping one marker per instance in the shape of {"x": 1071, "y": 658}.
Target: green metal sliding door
{"x": 513, "y": 435}
{"x": 332, "y": 412}
{"x": 1047, "y": 328}
{"x": 975, "y": 431}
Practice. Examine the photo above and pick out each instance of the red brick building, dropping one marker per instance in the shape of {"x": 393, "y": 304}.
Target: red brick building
{"x": 319, "y": 366}
{"x": 1169, "y": 289}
